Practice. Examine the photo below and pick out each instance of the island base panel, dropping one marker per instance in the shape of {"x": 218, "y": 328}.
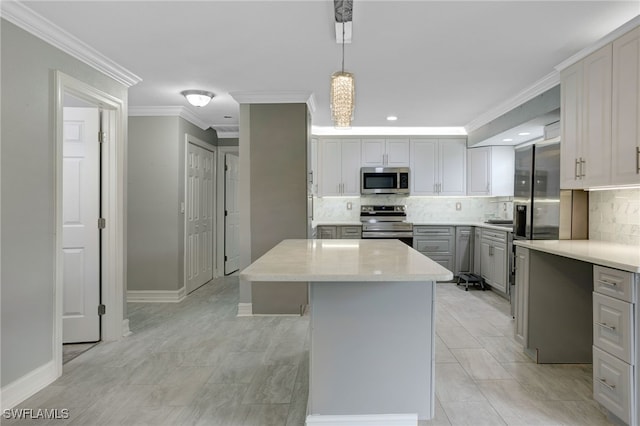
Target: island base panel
{"x": 372, "y": 348}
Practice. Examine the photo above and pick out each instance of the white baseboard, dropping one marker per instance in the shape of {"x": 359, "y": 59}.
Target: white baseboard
{"x": 156, "y": 296}
{"x": 364, "y": 420}
{"x": 29, "y": 384}
{"x": 245, "y": 309}
{"x": 126, "y": 331}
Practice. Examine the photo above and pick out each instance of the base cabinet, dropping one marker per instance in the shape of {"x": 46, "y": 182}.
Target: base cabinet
{"x": 332, "y": 232}
{"x": 494, "y": 259}
{"x": 521, "y": 308}
{"x": 615, "y": 342}
{"x": 437, "y": 243}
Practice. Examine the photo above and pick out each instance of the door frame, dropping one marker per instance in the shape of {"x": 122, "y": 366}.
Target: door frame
{"x": 113, "y": 250}
{"x": 220, "y": 188}
{"x": 214, "y": 199}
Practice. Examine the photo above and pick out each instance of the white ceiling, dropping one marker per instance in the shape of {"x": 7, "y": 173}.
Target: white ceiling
{"x": 429, "y": 63}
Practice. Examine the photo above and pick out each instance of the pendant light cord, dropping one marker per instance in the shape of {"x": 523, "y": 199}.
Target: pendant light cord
{"x": 343, "y": 45}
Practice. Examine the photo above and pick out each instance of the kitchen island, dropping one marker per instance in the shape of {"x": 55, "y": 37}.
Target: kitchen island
{"x": 372, "y": 326}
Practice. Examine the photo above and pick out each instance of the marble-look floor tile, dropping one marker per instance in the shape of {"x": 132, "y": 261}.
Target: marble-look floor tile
{"x": 298, "y": 407}
{"x": 504, "y": 349}
{"x": 480, "y": 364}
{"x": 273, "y": 384}
{"x": 472, "y": 413}
{"x": 457, "y": 337}
{"x": 453, "y": 383}
{"x": 550, "y": 382}
{"x": 443, "y": 354}
{"x": 237, "y": 367}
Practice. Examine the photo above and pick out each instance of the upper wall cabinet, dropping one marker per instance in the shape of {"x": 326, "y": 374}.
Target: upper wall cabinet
{"x": 600, "y": 115}
{"x": 490, "y": 171}
{"x": 339, "y": 166}
{"x": 385, "y": 152}
{"x": 625, "y": 135}
{"x": 438, "y": 166}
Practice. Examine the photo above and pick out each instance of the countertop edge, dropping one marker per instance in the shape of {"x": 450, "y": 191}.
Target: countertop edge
{"x": 344, "y": 278}
{"x": 612, "y": 263}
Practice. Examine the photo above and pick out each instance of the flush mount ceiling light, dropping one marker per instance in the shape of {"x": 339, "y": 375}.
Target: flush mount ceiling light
{"x": 392, "y": 118}
{"x": 197, "y": 98}
{"x": 342, "y": 83}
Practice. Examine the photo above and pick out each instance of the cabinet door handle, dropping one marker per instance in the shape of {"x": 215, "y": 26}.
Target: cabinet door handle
{"x": 611, "y": 283}
{"x": 435, "y": 186}
{"x": 576, "y": 175}
{"x": 583, "y": 167}
{"x": 637, "y": 160}
{"x": 604, "y": 382}
{"x": 608, "y": 327}
{"x": 439, "y": 187}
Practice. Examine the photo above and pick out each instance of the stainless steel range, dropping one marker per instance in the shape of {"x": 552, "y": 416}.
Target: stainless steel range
{"x": 386, "y": 222}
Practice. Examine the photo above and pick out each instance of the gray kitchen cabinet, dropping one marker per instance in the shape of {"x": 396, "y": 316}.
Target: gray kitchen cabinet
{"x": 437, "y": 243}
{"x": 521, "y": 311}
{"x": 332, "y": 232}
{"x": 494, "y": 259}
{"x": 615, "y": 341}
{"x": 477, "y": 237}
{"x": 464, "y": 249}
{"x": 350, "y": 232}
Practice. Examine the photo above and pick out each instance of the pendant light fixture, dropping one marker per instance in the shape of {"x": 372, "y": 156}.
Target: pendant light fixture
{"x": 342, "y": 91}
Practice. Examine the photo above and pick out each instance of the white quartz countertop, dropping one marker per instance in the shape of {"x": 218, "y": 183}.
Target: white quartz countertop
{"x": 613, "y": 255}
{"x": 507, "y": 228}
{"x": 344, "y": 260}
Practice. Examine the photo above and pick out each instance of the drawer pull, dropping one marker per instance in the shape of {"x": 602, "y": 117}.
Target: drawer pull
{"x": 604, "y": 382}
{"x": 611, "y": 283}
{"x": 608, "y": 327}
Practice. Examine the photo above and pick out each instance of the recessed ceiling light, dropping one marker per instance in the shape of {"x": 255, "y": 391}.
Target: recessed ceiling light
{"x": 392, "y": 118}
{"x": 507, "y": 140}
{"x": 524, "y": 134}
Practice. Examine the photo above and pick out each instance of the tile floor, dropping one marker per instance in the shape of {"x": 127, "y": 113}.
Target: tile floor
{"x": 196, "y": 363}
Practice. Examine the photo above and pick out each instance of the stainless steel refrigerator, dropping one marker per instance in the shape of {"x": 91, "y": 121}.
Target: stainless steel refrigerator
{"x": 536, "y": 200}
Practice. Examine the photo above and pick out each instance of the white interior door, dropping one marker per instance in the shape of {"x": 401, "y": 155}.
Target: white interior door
{"x": 199, "y": 214}
{"x": 80, "y": 234}
{"x": 231, "y": 215}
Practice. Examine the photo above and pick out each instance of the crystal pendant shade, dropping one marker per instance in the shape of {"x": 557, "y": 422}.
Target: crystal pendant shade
{"x": 342, "y": 98}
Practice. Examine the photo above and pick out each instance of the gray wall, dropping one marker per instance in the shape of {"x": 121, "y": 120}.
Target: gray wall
{"x": 278, "y": 194}
{"x": 27, "y": 225}
{"x": 155, "y": 239}
{"x": 228, "y": 142}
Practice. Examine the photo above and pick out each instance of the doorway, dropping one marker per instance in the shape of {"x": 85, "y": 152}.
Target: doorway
{"x": 88, "y": 250}
{"x": 200, "y": 167}
{"x": 231, "y": 215}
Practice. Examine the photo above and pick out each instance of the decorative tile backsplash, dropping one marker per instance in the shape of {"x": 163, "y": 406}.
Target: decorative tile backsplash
{"x": 419, "y": 209}
{"x": 614, "y": 215}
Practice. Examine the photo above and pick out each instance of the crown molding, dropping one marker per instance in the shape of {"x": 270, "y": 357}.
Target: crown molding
{"x": 168, "y": 111}
{"x": 617, "y": 33}
{"x": 22, "y": 16}
{"x": 276, "y": 97}
{"x": 547, "y": 82}
{"x": 227, "y": 135}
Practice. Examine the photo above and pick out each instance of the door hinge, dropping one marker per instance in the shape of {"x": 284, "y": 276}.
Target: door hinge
{"x": 102, "y": 136}
{"x": 102, "y": 223}
{"x": 226, "y": 213}
{"x": 102, "y": 309}
{"x": 225, "y": 258}
{"x": 226, "y": 167}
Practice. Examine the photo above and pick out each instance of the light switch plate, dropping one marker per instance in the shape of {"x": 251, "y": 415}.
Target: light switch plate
{"x": 349, "y": 205}
{"x": 458, "y": 206}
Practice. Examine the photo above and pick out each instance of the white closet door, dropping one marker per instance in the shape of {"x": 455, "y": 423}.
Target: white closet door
{"x": 80, "y": 233}
{"x": 199, "y": 214}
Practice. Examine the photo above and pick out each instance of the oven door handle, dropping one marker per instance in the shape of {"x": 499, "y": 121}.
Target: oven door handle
{"x": 385, "y": 234}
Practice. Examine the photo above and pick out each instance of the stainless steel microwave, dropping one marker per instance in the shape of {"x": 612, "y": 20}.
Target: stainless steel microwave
{"x": 384, "y": 180}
